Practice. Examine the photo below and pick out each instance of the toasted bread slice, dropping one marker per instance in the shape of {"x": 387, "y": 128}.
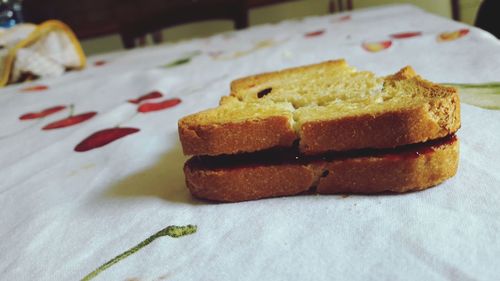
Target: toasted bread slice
{"x": 325, "y": 107}
{"x": 269, "y": 174}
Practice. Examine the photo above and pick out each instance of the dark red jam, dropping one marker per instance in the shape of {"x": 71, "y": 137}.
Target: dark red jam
{"x": 292, "y": 155}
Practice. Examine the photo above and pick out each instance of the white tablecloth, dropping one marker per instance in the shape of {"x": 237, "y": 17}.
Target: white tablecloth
{"x": 64, "y": 213}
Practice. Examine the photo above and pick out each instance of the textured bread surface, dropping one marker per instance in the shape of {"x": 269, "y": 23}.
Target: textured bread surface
{"x": 324, "y": 107}
{"x": 415, "y": 167}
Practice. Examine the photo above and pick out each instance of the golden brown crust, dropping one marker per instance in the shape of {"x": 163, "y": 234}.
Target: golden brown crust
{"x": 393, "y": 174}
{"x": 252, "y": 182}
{"x": 232, "y": 138}
{"x": 368, "y": 175}
{"x": 384, "y": 130}
{"x": 250, "y": 81}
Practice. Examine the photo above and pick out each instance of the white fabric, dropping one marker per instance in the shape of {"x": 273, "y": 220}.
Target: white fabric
{"x": 29, "y": 61}
{"x": 65, "y": 213}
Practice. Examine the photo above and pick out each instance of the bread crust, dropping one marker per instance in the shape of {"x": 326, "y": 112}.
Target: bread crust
{"x": 232, "y": 138}
{"x": 384, "y": 130}
{"x": 390, "y": 174}
{"x": 249, "y": 183}
{"x": 393, "y": 172}
{"x": 250, "y": 81}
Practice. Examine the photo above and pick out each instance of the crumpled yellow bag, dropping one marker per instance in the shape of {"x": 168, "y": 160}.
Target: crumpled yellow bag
{"x": 30, "y": 51}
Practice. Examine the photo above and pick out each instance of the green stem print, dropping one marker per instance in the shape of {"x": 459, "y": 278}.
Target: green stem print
{"x": 126, "y": 120}
{"x": 183, "y": 60}
{"x": 172, "y": 231}
{"x": 71, "y": 109}
{"x": 485, "y": 95}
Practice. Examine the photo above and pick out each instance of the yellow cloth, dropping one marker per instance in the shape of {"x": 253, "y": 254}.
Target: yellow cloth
{"x": 45, "y": 50}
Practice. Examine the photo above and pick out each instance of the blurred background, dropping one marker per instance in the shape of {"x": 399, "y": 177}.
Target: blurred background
{"x": 109, "y": 25}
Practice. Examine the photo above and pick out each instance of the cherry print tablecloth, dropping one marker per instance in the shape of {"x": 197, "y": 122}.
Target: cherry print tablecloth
{"x": 91, "y": 165}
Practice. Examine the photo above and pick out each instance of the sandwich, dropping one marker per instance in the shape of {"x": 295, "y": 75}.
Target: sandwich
{"x": 324, "y": 128}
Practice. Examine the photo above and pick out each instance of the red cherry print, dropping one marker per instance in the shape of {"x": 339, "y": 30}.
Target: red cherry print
{"x": 376, "y": 46}
{"x": 43, "y": 113}
{"x": 150, "y": 106}
{"x": 342, "y": 19}
{"x": 36, "y": 88}
{"x": 314, "y": 33}
{"x": 103, "y": 137}
{"x": 152, "y": 95}
{"x": 454, "y": 35}
{"x": 345, "y": 18}
{"x": 100, "y": 62}
{"x": 404, "y": 35}
{"x": 70, "y": 121}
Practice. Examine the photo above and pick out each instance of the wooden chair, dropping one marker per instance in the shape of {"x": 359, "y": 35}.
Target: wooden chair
{"x": 340, "y": 5}
{"x": 455, "y": 9}
{"x": 487, "y": 17}
{"x": 153, "y": 15}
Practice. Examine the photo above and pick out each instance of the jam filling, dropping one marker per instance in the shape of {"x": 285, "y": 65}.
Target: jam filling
{"x": 292, "y": 155}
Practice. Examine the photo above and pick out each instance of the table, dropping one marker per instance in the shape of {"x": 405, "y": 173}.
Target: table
{"x": 70, "y": 203}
